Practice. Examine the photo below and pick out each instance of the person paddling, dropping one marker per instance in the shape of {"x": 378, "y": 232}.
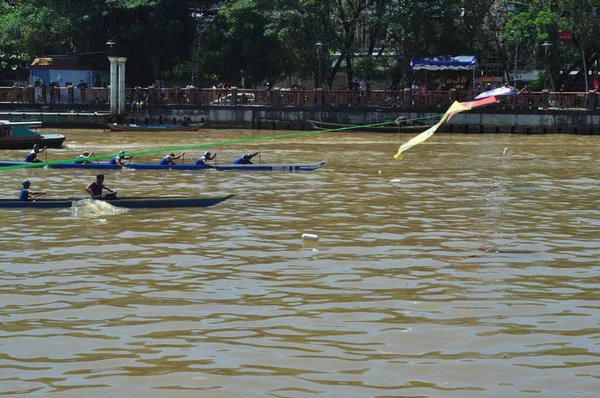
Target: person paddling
{"x": 245, "y": 159}
{"x": 84, "y": 157}
{"x": 169, "y": 159}
{"x": 32, "y": 156}
{"x": 120, "y": 158}
{"x": 26, "y": 194}
{"x": 202, "y": 160}
{"x": 95, "y": 189}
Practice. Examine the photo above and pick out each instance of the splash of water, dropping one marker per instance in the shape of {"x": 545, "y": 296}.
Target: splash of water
{"x": 95, "y": 208}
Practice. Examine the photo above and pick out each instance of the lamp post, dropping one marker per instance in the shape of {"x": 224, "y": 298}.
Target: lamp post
{"x": 516, "y": 60}
{"x": 546, "y": 45}
{"x": 110, "y": 45}
{"x": 319, "y": 45}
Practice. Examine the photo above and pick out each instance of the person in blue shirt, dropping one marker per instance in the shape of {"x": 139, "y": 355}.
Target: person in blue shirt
{"x": 95, "y": 189}
{"x": 202, "y": 161}
{"x": 26, "y": 194}
{"x": 32, "y": 156}
{"x": 245, "y": 159}
{"x": 169, "y": 159}
{"x": 120, "y": 158}
{"x": 84, "y": 157}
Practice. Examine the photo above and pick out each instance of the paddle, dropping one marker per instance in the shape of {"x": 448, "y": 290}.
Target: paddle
{"x": 183, "y": 158}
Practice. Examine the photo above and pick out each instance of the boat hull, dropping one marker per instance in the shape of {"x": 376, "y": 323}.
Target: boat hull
{"x": 105, "y": 166}
{"x": 156, "y": 128}
{"x": 180, "y": 167}
{"x": 49, "y": 141}
{"x": 270, "y": 167}
{"x": 373, "y": 128}
{"x": 130, "y": 203}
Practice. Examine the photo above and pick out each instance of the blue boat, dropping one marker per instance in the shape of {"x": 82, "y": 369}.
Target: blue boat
{"x": 155, "y": 166}
{"x": 19, "y": 135}
{"x": 126, "y": 202}
{"x": 270, "y": 167}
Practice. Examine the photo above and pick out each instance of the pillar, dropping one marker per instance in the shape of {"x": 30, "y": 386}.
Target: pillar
{"x": 233, "y": 93}
{"x": 114, "y": 86}
{"x": 117, "y": 84}
{"x": 122, "y": 61}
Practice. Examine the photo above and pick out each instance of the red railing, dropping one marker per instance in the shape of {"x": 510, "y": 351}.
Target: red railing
{"x": 139, "y": 98}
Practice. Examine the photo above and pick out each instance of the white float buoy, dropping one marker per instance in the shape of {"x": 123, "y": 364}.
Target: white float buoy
{"x": 505, "y": 151}
{"x": 310, "y": 237}
{"x": 379, "y": 172}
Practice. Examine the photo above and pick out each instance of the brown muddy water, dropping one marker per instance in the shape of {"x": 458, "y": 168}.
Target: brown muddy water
{"x": 458, "y": 271}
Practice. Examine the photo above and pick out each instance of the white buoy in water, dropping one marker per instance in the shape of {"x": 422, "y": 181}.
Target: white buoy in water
{"x": 310, "y": 237}
{"x": 505, "y": 151}
{"x": 379, "y": 172}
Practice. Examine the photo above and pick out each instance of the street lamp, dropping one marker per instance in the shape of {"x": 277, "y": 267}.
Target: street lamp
{"x": 110, "y": 44}
{"x": 546, "y": 45}
{"x": 319, "y": 45}
{"x": 516, "y": 60}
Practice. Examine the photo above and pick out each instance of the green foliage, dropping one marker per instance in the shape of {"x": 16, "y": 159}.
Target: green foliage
{"x": 272, "y": 40}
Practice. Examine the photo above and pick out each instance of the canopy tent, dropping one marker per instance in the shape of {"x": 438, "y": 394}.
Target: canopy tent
{"x": 445, "y": 62}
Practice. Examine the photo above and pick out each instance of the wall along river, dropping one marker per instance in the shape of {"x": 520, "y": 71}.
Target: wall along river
{"x": 457, "y": 271}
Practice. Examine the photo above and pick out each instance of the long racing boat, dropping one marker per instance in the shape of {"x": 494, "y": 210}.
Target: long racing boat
{"x": 269, "y": 167}
{"x": 126, "y": 202}
{"x": 285, "y": 167}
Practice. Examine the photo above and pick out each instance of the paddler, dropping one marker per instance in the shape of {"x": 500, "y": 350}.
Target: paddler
{"x": 202, "y": 160}
{"x": 27, "y": 194}
{"x": 119, "y": 159}
{"x": 32, "y": 156}
{"x": 169, "y": 159}
{"x": 95, "y": 189}
{"x": 245, "y": 159}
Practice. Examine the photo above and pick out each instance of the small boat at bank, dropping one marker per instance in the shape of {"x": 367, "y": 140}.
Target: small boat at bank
{"x": 115, "y": 127}
{"x": 126, "y": 202}
{"x": 19, "y": 135}
{"x": 291, "y": 167}
{"x": 375, "y": 128}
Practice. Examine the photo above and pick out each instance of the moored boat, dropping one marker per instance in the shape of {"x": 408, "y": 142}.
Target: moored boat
{"x": 19, "y": 135}
{"x": 375, "y": 128}
{"x": 126, "y": 202}
{"x": 115, "y": 127}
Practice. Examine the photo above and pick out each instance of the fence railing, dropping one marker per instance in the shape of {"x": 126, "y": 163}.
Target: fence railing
{"x": 139, "y": 98}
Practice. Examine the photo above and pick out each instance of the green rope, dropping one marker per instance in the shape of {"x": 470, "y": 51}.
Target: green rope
{"x": 212, "y": 144}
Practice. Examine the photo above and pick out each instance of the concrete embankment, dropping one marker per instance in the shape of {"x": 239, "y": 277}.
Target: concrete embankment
{"x": 497, "y": 120}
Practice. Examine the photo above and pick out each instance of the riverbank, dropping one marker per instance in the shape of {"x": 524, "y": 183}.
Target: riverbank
{"x": 499, "y": 119}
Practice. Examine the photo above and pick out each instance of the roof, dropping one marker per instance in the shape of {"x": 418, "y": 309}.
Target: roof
{"x": 444, "y": 62}
{"x": 68, "y": 62}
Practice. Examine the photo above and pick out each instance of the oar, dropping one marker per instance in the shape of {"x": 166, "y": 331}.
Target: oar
{"x": 183, "y": 158}
{"x": 259, "y": 159}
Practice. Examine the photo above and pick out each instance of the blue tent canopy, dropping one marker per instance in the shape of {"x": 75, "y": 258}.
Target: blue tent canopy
{"x": 461, "y": 62}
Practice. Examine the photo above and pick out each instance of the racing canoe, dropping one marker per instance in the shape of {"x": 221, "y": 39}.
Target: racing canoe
{"x": 133, "y": 202}
{"x": 285, "y": 167}
{"x": 270, "y": 167}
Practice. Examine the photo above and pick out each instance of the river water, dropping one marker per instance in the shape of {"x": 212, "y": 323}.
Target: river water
{"x": 462, "y": 270}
